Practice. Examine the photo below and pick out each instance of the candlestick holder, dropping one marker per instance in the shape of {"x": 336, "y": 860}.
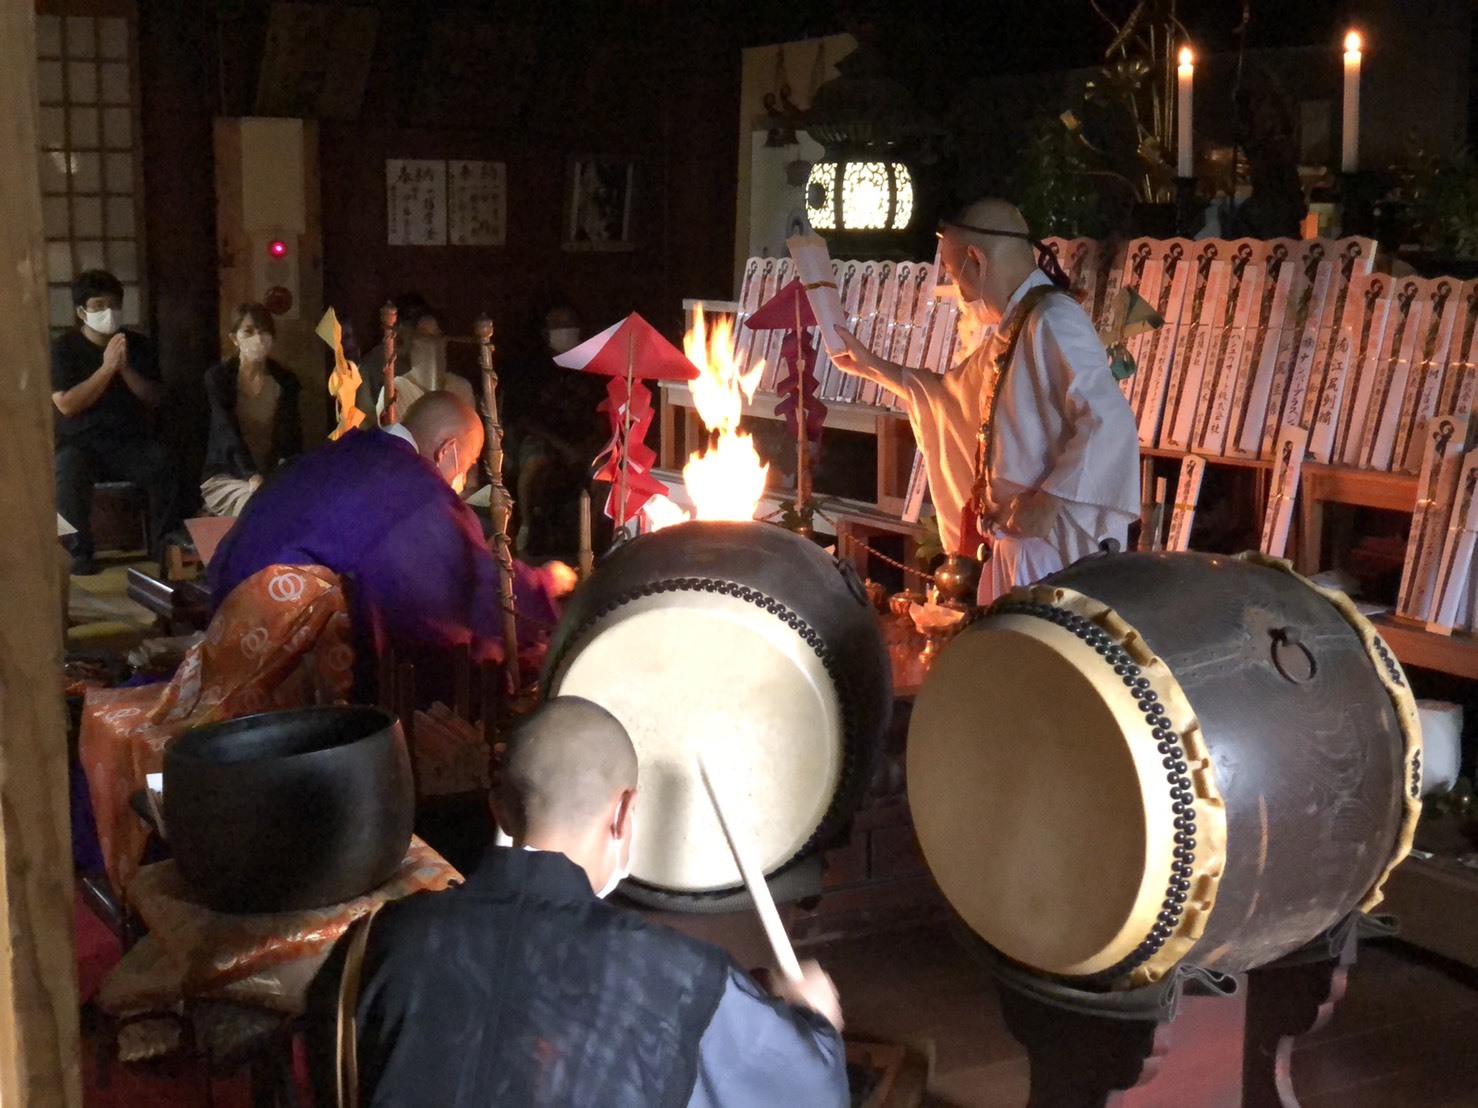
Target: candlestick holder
{"x": 1189, "y": 210}
{"x": 1358, "y": 194}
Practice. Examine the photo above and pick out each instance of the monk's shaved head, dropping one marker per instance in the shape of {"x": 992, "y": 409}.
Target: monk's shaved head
{"x": 439, "y": 421}
{"x": 994, "y": 215}
{"x": 438, "y": 416}
{"x": 987, "y": 267}
{"x": 565, "y": 764}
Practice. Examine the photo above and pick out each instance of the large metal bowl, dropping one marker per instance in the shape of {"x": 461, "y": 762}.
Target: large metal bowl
{"x": 289, "y": 810}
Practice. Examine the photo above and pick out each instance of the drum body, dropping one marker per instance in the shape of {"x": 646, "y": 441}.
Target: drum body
{"x": 1149, "y": 759}
{"x": 754, "y": 645}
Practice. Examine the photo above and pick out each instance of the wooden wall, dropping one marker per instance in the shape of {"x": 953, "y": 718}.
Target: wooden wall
{"x": 653, "y": 83}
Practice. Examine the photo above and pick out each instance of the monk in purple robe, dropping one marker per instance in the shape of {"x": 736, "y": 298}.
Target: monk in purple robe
{"x": 382, "y": 509}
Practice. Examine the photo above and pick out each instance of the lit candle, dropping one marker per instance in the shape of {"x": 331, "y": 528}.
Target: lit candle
{"x": 1185, "y": 166}
{"x": 1350, "y": 149}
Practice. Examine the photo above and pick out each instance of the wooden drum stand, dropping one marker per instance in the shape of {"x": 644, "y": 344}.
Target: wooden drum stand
{"x": 1198, "y": 1038}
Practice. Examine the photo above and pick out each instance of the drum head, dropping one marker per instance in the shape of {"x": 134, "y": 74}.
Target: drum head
{"x": 1028, "y": 769}
{"x": 690, "y": 671}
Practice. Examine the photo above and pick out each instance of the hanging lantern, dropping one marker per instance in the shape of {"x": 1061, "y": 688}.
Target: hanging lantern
{"x": 859, "y": 196}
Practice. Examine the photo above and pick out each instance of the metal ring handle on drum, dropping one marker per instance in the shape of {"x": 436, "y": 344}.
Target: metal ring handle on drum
{"x": 1289, "y": 637}
{"x": 1402, "y": 701}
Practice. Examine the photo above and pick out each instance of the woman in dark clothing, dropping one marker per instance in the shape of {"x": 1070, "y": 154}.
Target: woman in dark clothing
{"x": 254, "y": 422}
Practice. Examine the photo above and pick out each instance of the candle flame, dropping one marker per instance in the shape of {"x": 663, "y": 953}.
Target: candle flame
{"x": 1186, "y": 57}
{"x": 1352, "y": 42}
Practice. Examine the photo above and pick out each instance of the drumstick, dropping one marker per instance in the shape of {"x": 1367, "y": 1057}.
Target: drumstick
{"x": 754, "y": 881}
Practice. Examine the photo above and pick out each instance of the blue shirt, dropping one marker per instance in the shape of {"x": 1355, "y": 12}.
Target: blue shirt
{"x": 759, "y": 1052}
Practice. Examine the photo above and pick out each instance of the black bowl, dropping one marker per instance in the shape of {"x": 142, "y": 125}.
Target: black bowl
{"x": 289, "y": 810}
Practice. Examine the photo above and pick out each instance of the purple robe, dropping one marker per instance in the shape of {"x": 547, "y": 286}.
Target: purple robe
{"x": 371, "y": 509}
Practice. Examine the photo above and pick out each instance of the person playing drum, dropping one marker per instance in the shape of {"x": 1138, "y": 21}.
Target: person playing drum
{"x": 523, "y": 988}
{"x": 1029, "y": 445}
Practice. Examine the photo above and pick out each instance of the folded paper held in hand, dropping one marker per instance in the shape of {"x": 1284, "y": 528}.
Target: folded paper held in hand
{"x": 813, "y": 265}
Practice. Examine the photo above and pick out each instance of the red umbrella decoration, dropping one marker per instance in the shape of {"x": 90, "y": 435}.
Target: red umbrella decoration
{"x": 803, "y": 410}
{"x": 629, "y": 352}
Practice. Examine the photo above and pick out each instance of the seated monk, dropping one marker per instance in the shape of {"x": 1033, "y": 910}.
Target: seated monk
{"x": 522, "y": 988}
{"x": 381, "y": 508}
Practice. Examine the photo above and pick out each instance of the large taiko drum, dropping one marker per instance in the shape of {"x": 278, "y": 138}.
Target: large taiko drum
{"x": 753, "y": 645}
{"x": 1154, "y": 759}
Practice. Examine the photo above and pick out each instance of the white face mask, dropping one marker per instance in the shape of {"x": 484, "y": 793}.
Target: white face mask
{"x": 458, "y": 480}
{"x": 622, "y": 869}
{"x": 255, "y": 348}
{"x": 562, "y": 339}
{"x": 105, "y": 322}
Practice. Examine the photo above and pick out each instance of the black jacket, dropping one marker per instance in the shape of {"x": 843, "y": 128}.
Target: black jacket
{"x": 522, "y": 990}
{"x": 226, "y": 452}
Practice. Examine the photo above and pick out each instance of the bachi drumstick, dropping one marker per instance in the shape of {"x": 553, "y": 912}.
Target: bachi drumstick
{"x": 754, "y": 881}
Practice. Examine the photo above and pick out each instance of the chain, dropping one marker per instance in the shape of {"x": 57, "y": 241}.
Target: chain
{"x": 538, "y": 624}
{"x": 853, "y": 542}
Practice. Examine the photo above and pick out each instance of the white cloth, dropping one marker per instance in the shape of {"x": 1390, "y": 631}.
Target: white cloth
{"x": 1062, "y": 426}
{"x": 414, "y": 385}
{"x": 224, "y": 495}
{"x": 401, "y": 433}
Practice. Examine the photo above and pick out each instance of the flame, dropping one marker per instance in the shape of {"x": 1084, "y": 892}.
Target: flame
{"x": 727, "y": 480}
{"x": 1352, "y": 42}
{"x": 1186, "y": 57}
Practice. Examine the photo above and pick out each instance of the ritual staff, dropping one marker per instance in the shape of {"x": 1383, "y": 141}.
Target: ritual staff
{"x": 254, "y": 422}
{"x": 1029, "y": 446}
{"x": 523, "y": 989}
{"x": 381, "y": 508}
{"x": 105, "y": 386}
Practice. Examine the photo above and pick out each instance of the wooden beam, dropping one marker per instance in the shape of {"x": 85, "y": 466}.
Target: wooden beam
{"x": 39, "y": 1052}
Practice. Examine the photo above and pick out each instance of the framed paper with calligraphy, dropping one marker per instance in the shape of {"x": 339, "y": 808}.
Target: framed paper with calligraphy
{"x": 477, "y": 203}
{"x": 598, "y": 205}
{"x": 415, "y": 202}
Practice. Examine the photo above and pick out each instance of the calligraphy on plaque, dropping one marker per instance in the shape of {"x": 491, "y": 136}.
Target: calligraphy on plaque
{"x": 415, "y": 202}
{"x": 477, "y": 203}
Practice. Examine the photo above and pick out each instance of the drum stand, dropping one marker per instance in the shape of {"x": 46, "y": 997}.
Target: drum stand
{"x": 1197, "y": 1038}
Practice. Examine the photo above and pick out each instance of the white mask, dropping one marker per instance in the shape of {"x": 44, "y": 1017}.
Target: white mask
{"x": 458, "y": 480}
{"x": 255, "y": 348}
{"x": 562, "y": 339}
{"x": 105, "y": 322}
{"x": 622, "y": 869}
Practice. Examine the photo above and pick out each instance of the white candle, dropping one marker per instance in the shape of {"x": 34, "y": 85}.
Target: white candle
{"x": 1185, "y": 165}
{"x": 1350, "y": 148}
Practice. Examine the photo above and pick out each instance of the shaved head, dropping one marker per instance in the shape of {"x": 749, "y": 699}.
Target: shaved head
{"x": 565, "y": 766}
{"x": 985, "y": 266}
{"x": 447, "y": 430}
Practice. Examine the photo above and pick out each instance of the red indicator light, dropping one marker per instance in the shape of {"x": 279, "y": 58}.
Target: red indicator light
{"x": 277, "y": 248}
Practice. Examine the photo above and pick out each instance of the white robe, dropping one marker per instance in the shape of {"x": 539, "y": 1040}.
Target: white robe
{"x": 1061, "y": 425}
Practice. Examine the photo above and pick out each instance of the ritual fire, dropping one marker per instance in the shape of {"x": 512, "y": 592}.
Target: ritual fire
{"x": 725, "y": 477}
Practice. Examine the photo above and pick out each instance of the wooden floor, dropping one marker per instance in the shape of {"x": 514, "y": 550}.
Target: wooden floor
{"x": 1406, "y": 1032}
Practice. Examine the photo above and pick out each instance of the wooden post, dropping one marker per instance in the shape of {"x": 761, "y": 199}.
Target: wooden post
{"x": 389, "y": 317}
{"x": 499, "y": 500}
{"x": 38, "y": 977}
{"x": 802, "y": 438}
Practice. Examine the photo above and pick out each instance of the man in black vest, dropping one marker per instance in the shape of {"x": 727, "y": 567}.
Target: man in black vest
{"x": 522, "y": 988}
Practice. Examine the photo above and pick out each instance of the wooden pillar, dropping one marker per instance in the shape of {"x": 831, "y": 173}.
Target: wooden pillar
{"x": 38, "y": 976}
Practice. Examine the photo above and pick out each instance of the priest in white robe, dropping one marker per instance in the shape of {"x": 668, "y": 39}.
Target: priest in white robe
{"x": 1048, "y": 471}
